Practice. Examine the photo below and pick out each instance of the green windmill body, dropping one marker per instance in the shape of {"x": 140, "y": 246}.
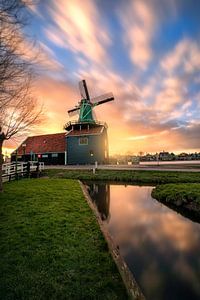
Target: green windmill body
{"x": 85, "y": 114}
{"x": 86, "y": 140}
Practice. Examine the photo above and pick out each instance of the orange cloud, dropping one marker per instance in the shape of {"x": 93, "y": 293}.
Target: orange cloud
{"x": 57, "y": 97}
{"x": 170, "y": 96}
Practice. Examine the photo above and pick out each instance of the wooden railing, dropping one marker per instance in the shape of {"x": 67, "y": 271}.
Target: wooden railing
{"x": 17, "y": 170}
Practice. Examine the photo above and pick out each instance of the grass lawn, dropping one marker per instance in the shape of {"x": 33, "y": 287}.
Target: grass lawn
{"x": 134, "y": 176}
{"x": 181, "y": 195}
{"x": 51, "y": 246}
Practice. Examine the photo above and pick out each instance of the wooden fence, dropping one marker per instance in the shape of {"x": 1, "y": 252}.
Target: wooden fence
{"x": 12, "y": 171}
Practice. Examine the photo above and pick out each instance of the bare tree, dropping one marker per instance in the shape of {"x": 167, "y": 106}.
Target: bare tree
{"x": 18, "y": 106}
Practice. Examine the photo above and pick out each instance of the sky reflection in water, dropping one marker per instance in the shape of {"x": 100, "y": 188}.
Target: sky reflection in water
{"x": 161, "y": 247}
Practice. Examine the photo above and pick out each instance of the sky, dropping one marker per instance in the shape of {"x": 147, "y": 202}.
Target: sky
{"x": 146, "y": 52}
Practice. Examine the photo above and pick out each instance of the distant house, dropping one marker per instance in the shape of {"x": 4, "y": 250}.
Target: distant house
{"x": 49, "y": 148}
{"x": 164, "y": 155}
{"x": 183, "y": 156}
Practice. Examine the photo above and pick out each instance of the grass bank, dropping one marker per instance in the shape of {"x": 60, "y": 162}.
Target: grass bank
{"x": 185, "y": 196}
{"x": 133, "y": 176}
{"x": 51, "y": 246}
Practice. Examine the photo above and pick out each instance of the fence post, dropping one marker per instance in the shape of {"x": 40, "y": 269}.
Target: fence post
{"x": 28, "y": 166}
{"x": 37, "y": 169}
{"x": 16, "y": 175}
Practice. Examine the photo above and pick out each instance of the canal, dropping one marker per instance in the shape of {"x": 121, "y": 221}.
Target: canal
{"x": 160, "y": 246}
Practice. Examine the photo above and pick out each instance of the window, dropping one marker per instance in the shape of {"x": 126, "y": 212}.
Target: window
{"x": 44, "y": 155}
{"x": 83, "y": 141}
{"x": 54, "y": 155}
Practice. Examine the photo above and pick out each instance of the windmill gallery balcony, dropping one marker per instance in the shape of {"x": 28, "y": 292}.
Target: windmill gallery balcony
{"x": 83, "y": 125}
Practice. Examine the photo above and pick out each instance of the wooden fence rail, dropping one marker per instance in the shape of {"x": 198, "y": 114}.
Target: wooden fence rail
{"x": 17, "y": 170}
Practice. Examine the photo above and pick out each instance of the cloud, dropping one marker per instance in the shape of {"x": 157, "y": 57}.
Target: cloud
{"x": 138, "y": 20}
{"x": 57, "y": 97}
{"x": 47, "y": 59}
{"x": 185, "y": 55}
{"x": 40, "y": 55}
{"x": 154, "y": 108}
{"x": 133, "y": 122}
{"x": 187, "y": 137}
{"x": 142, "y": 124}
{"x": 132, "y": 125}
{"x": 170, "y": 96}
{"x": 78, "y": 27}
{"x": 144, "y": 137}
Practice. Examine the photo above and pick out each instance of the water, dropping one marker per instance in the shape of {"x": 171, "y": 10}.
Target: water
{"x": 160, "y": 247}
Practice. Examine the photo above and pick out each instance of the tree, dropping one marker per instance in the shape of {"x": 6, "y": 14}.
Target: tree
{"x": 18, "y": 106}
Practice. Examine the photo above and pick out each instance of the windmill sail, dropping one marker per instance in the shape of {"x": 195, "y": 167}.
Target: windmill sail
{"x": 73, "y": 111}
{"x": 102, "y": 99}
{"x": 83, "y": 90}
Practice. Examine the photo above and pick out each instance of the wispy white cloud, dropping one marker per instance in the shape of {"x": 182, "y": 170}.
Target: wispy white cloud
{"x": 47, "y": 59}
{"x": 170, "y": 96}
{"x": 148, "y": 136}
{"x": 185, "y": 55}
{"x": 138, "y": 20}
{"x": 79, "y": 28}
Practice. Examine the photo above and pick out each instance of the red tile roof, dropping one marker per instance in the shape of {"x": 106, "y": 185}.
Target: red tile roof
{"x": 43, "y": 144}
{"x": 92, "y": 130}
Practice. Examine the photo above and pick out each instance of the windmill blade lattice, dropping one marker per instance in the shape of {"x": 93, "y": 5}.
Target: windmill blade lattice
{"x": 102, "y": 99}
{"x": 84, "y": 90}
{"x": 73, "y": 111}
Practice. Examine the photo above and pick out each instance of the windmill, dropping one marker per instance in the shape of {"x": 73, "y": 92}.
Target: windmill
{"x": 86, "y": 105}
{"x": 86, "y": 139}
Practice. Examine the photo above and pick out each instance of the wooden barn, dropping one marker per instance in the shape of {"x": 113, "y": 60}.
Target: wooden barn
{"x": 48, "y": 148}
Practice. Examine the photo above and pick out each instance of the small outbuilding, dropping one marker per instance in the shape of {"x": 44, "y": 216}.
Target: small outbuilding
{"x": 48, "y": 148}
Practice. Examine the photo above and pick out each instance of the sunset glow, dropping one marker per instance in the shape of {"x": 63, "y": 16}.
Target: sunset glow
{"x": 146, "y": 52}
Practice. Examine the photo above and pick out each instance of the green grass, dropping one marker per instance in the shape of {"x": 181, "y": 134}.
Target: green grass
{"x": 178, "y": 193}
{"x": 51, "y": 246}
{"x": 182, "y": 195}
{"x": 141, "y": 177}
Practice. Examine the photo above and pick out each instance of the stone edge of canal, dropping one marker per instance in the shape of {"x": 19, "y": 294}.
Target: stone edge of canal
{"x": 130, "y": 283}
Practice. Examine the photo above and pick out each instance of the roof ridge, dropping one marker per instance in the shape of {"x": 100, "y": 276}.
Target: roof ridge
{"x": 40, "y": 135}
